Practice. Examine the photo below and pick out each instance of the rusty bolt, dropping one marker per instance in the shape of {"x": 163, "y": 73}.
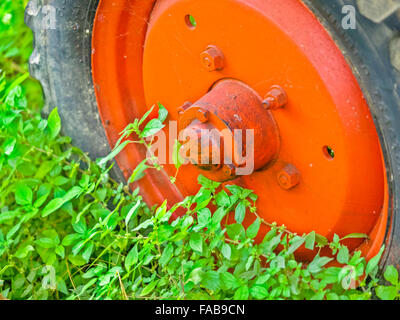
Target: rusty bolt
{"x": 185, "y": 106}
{"x": 276, "y": 98}
{"x": 202, "y": 115}
{"x": 288, "y": 177}
{"x": 229, "y": 170}
{"x": 213, "y": 59}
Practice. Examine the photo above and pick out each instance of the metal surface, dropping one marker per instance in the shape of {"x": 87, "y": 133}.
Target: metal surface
{"x": 159, "y": 62}
{"x": 395, "y": 52}
{"x": 233, "y": 108}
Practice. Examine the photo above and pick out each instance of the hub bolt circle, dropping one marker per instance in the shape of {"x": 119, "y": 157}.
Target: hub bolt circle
{"x": 213, "y": 59}
{"x": 276, "y": 98}
{"x": 288, "y": 177}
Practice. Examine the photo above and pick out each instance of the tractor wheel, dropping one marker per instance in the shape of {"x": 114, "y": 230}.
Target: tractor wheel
{"x": 316, "y": 80}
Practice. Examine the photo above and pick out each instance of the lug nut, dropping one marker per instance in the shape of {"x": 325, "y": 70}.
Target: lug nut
{"x": 213, "y": 59}
{"x": 276, "y": 98}
{"x": 229, "y": 170}
{"x": 288, "y": 177}
{"x": 202, "y": 115}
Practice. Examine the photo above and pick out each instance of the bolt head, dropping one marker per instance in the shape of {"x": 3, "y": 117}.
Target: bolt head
{"x": 229, "y": 170}
{"x": 288, "y": 177}
{"x": 202, "y": 115}
{"x": 213, "y": 59}
{"x": 276, "y": 98}
{"x": 183, "y": 108}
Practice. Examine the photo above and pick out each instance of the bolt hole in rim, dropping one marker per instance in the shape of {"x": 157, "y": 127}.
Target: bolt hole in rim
{"x": 328, "y": 152}
{"x": 327, "y": 105}
{"x": 190, "y": 21}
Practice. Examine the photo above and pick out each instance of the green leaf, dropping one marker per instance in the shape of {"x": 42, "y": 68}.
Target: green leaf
{"x": 226, "y": 251}
{"x": 23, "y": 195}
{"x": 263, "y": 279}
{"x": 23, "y": 251}
{"x": 176, "y": 155}
{"x": 54, "y": 123}
{"x": 60, "y": 181}
{"x": 46, "y": 243}
{"x": 152, "y": 128}
{"x": 42, "y": 195}
{"x": 146, "y": 115}
{"x": 355, "y": 236}
{"x": 13, "y": 231}
{"x": 278, "y": 263}
{"x": 211, "y": 280}
{"x": 60, "y": 250}
{"x": 196, "y": 242}
{"x": 343, "y": 255}
{"x": 162, "y": 113}
{"x": 218, "y": 215}
{"x": 222, "y": 199}
{"x": 44, "y": 169}
{"x": 196, "y": 275}
{"x": 15, "y": 85}
{"x": 132, "y": 212}
{"x": 70, "y": 239}
{"x": 87, "y": 252}
{"x": 144, "y": 225}
{"x": 386, "y": 293}
{"x": 316, "y": 265}
{"x": 204, "y": 217}
{"x": 235, "y": 231}
{"x": 9, "y": 215}
{"x": 78, "y": 247}
{"x": 166, "y": 255}
{"x": 242, "y": 293}
{"x": 8, "y": 146}
{"x": 372, "y": 266}
{"x": 234, "y": 189}
{"x": 80, "y": 227}
{"x": 310, "y": 241}
{"x": 295, "y": 244}
{"x": 116, "y": 151}
{"x": 131, "y": 258}
{"x": 139, "y": 172}
{"x": 207, "y": 183}
{"x": 57, "y": 203}
{"x": 149, "y": 288}
{"x": 52, "y": 206}
{"x": 258, "y": 292}
{"x": 228, "y": 281}
{"x": 332, "y": 296}
{"x": 321, "y": 240}
{"x": 392, "y": 275}
{"x": 240, "y": 212}
{"x": 252, "y": 230}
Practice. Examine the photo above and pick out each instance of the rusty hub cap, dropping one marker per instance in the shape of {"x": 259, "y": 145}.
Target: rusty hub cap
{"x": 317, "y": 157}
{"x": 234, "y": 116}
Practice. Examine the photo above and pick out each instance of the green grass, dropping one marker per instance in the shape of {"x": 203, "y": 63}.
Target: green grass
{"x": 69, "y": 231}
{"x": 16, "y": 47}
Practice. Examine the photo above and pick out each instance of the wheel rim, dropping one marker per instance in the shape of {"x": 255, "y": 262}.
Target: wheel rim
{"x": 326, "y": 131}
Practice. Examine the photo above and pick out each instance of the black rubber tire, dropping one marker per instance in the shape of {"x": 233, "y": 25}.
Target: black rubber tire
{"x": 61, "y": 61}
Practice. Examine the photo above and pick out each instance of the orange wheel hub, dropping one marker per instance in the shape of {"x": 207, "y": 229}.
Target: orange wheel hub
{"x": 230, "y": 110}
{"x": 244, "y": 65}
